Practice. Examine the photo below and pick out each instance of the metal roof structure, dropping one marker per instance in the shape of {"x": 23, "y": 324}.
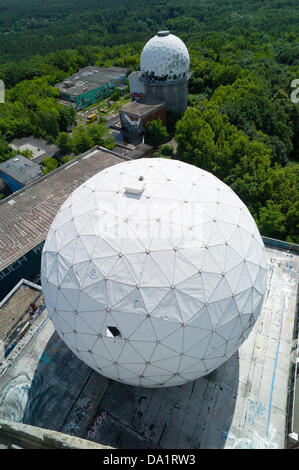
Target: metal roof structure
{"x": 89, "y": 78}
{"x": 21, "y": 169}
{"x": 141, "y": 109}
{"x": 27, "y": 214}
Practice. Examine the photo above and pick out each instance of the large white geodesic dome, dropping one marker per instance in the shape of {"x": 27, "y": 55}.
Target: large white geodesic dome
{"x": 153, "y": 272}
{"x": 165, "y": 56}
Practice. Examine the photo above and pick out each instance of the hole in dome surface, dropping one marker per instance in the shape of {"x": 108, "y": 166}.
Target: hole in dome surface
{"x": 113, "y": 332}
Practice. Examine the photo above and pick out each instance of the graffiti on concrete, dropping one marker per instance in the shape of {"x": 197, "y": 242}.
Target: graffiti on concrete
{"x": 24, "y": 399}
{"x": 74, "y": 426}
{"x": 256, "y": 442}
{"x": 97, "y": 424}
{"x": 256, "y": 411}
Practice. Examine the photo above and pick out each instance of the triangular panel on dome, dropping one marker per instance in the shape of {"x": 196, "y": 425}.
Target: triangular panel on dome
{"x": 116, "y": 291}
{"x": 126, "y": 322}
{"x": 89, "y": 322}
{"x": 103, "y": 249}
{"x": 213, "y": 363}
{"x": 88, "y": 339}
{"x": 168, "y": 308}
{"x": 227, "y": 330}
{"x": 154, "y": 273}
{"x": 193, "y": 335}
{"x": 198, "y": 350}
{"x": 51, "y": 243}
{"x": 219, "y": 254}
{"x": 209, "y": 281}
{"x": 233, "y": 276}
{"x": 80, "y": 253}
{"x": 257, "y": 309}
{"x": 120, "y": 272}
{"x": 193, "y": 287}
{"x": 67, "y": 321}
{"x": 53, "y": 273}
{"x": 69, "y": 280}
{"x": 253, "y": 271}
{"x": 63, "y": 302}
{"x": 246, "y": 321}
{"x": 94, "y": 319}
{"x": 215, "y": 343}
{"x": 255, "y": 252}
{"x": 189, "y": 363}
{"x": 163, "y": 327}
{"x": 154, "y": 371}
{"x": 184, "y": 269}
{"x": 222, "y": 291}
{"x": 195, "y": 370}
{"x": 219, "y": 352}
{"x": 71, "y": 295}
{"x": 202, "y": 320}
{"x": 86, "y": 302}
{"x": 217, "y": 310}
{"x": 261, "y": 281}
{"x": 128, "y": 371}
{"x": 130, "y": 356}
{"x": 136, "y": 264}
{"x": 101, "y": 350}
{"x": 115, "y": 347}
{"x": 188, "y": 305}
{"x": 144, "y": 348}
{"x": 175, "y": 380}
{"x": 193, "y": 254}
{"x": 144, "y": 331}
{"x": 174, "y": 340}
{"x": 245, "y": 281}
{"x": 152, "y": 296}
{"x": 244, "y": 301}
{"x": 162, "y": 352}
{"x": 171, "y": 364}
{"x": 100, "y": 360}
{"x": 133, "y": 303}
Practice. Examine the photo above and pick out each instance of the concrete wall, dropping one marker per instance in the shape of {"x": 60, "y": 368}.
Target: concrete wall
{"x": 174, "y": 95}
{"x": 23, "y": 436}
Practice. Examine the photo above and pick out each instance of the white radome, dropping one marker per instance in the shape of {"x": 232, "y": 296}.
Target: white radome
{"x": 153, "y": 272}
{"x": 165, "y": 55}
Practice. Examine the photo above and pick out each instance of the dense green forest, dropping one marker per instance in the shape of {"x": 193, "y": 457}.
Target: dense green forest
{"x": 240, "y": 124}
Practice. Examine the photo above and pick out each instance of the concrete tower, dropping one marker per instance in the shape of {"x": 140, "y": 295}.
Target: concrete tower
{"x": 164, "y": 65}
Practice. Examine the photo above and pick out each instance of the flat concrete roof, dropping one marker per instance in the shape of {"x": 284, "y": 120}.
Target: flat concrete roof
{"x": 141, "y": 109}
{"x": 40, "y": 147}
{"x": 90, "y": 78}
{"x": 21, "y": 169}
{"x": 242, "y": 404}
{"x": 26, "y": 216}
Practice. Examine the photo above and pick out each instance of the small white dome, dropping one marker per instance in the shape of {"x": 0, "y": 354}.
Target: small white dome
{"x": 165, "y": 56}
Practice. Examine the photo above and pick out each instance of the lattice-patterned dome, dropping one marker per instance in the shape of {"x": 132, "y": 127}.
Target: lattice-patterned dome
{"x": 164, "y": 57}
{"x": 153, "y": 272}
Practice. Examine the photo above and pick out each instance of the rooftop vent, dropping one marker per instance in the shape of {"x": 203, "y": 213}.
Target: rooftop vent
{"x": 163, "y": 33}
{"x": 135, "y": 186}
